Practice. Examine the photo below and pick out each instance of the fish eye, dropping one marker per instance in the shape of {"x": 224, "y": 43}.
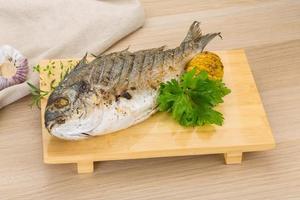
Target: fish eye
{"x": 83, "y": 86}
{"x": 61, "y": 102}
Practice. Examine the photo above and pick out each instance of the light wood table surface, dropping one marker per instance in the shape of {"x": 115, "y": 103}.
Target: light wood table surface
{"x": 269, "y": 31}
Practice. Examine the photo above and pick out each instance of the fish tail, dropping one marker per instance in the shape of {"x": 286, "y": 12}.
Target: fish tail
{"x": 195, "y": 36}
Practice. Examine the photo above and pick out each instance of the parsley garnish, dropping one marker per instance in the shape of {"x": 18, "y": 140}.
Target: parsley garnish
{"x": 192, "y": 99}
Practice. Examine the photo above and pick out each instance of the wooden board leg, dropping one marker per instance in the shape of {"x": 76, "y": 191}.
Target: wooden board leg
{"x": 85, "y": 167}
{"x": 233, "y": 157}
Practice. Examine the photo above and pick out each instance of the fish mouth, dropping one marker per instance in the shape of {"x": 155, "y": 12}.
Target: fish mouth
{"x": 53, "y": 118}
{"x": 49, "y": 124}
{"x": 62, "y": 126}
{"x": 78, "y": 136}
{"x": 52, "y": 122}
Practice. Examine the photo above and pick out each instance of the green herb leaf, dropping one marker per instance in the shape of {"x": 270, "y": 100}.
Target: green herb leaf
{"x": 192, "y": 99}
{"x": 36, "y": 95}
{"x": 36, "y": 68}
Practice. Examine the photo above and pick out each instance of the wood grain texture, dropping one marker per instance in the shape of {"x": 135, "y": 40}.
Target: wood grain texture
{"x": 270, "y": 33}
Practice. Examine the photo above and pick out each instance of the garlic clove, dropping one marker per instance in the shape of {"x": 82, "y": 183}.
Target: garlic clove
{"x": 13, "y": 67}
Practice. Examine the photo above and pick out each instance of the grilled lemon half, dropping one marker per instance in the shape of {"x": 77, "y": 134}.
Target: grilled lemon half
{"x": 209, "y": 62}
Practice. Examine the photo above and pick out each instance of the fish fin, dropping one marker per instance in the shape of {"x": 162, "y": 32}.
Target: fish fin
{"x": 122, "y": 52}
{"x": 204, "y": 40}
{"x": 125, "y": 51}
{"x": 195, "y": 35}
{"x": 194, "y": 32}
{"x": 119, "y": 53}
{"x": 82, "y": 62}
{"x": 161, "y": 48}
{"x": 95, "y": 56}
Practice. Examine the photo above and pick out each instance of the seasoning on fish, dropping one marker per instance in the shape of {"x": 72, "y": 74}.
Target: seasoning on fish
{"x": 117, "y": 90}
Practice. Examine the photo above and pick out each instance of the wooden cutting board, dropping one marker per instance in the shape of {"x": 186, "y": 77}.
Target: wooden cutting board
{"x": 246, "y": 127}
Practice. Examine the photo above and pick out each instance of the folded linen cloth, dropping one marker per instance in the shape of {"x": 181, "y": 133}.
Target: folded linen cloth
{"x": 63, "y": 29}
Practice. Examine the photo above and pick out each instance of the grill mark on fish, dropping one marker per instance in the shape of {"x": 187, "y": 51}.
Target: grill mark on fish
{"x": 140, "y": 67}
{"x": 157, "y": 70}
{"x": 96, "y": 70}
{"x": 146, "y": 68}
{"x": 116, "y": 70}
{"x": 96, "y": 74}
{"x": 127, "y": 68}
{"x": 105, "y": 78}
{"x": 168, "y": 61}
{"x": 136, "y": 68}
{"x": 92, "y": 73}
{"x": 149, "y": 66}
{"x": 178, "y": 54}
{"x": 174, "y": 66}
{"x": 101, "y": 64}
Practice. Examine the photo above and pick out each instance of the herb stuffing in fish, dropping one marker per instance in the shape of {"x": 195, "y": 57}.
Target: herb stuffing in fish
{"x": 117, "y": 90}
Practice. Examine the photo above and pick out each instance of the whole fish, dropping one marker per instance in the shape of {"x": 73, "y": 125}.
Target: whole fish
{"x": 117, "y": 90}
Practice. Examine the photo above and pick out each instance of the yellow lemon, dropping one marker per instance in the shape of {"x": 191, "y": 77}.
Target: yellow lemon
{"x": 209, "y": 62}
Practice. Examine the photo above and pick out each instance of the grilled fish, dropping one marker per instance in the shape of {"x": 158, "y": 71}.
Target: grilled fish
{"x": 117, "y": 90}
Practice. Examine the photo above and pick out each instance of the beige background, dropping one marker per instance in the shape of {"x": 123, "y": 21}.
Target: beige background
{"x": 49, "y": 29}
{"x": 270, "y": 33}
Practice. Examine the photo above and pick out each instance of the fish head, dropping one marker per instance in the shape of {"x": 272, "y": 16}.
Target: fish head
{"x": 71, "y": 112}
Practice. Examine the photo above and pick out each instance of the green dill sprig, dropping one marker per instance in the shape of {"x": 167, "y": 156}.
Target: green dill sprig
{"x": 48, "y": 69}
{"x": 36, "y": 68}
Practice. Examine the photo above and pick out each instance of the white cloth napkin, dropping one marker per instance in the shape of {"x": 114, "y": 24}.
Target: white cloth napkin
{"x": 42, "y": 29}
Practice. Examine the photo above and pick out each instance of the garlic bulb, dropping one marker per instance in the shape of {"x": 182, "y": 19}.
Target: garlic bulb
{"x": 13, "y": 67}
